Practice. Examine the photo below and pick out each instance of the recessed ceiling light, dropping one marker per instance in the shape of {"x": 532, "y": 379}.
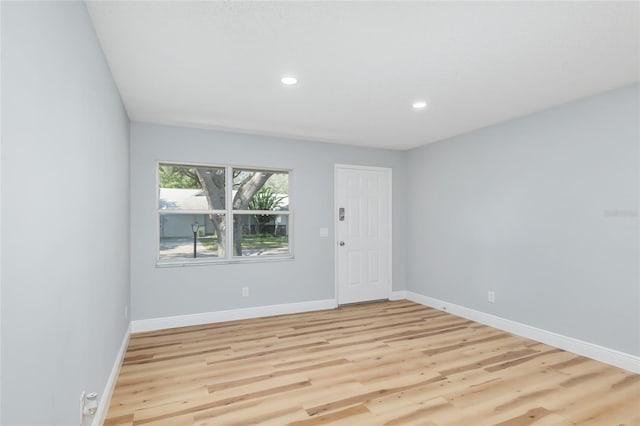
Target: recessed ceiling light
{"x": 289, "y": 80}
{"x": 419, "y": 105}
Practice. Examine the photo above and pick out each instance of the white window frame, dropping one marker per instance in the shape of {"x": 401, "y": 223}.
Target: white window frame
{"x": 228, "y": 212}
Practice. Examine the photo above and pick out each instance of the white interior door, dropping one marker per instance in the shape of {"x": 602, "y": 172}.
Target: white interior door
{"x": 363, "y": 233}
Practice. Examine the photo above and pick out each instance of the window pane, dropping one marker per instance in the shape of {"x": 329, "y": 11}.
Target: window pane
{"x": 176, "y": 236}
{"x": 181, "y": 187}
{"x": 261, "y": 235}
{"x": 260, "y": 190}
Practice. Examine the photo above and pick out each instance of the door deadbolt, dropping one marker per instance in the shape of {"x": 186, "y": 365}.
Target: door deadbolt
{"x": 341, "y": 243}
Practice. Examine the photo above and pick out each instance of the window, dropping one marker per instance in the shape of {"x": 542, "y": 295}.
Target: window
{"x": 222, "y": 213}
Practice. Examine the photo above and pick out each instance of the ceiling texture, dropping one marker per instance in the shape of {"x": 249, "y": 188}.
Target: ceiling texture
{"x": 361, "y": 65}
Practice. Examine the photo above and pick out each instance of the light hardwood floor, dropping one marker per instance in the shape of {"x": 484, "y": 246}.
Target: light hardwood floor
{"x": 387, "y": 363}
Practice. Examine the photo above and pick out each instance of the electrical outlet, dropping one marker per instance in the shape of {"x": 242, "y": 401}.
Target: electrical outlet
{"x": 82, "y": 408}
{"x": 491, "y": 297}
{"x": 245, "y": 291}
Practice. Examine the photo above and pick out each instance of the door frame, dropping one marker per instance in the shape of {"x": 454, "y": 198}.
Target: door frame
{"x": 389, "y": 173}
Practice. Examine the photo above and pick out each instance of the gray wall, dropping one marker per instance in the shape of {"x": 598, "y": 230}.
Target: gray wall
{"x": 65, "y": 213}
{"x": 544, "y": 211}
{"x": 159, "y": 292}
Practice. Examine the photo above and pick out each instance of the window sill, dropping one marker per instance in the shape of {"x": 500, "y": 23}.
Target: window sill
{"x": 210, "y": 262}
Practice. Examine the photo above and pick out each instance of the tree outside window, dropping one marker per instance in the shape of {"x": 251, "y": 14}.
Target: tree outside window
{"x": 254, "y": 213}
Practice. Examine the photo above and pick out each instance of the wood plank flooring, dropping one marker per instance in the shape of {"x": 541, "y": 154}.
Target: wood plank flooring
{"x": 387, "y": 363}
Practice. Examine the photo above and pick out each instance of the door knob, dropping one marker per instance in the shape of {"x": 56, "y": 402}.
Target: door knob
{"x": 341, "y": 243}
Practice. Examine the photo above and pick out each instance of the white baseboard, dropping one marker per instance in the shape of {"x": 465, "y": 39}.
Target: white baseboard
{"x": 105, "y": 400}
{"x": 600, "y": 353}
{"x": 230, "y": 315}
{"x": 398, "y": 295}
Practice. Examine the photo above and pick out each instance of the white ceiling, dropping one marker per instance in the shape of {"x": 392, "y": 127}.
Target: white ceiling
{"x": 360, "y": 65}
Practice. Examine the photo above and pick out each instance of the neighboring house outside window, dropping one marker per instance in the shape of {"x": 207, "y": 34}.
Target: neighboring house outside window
{"x": 222, "y": 213}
